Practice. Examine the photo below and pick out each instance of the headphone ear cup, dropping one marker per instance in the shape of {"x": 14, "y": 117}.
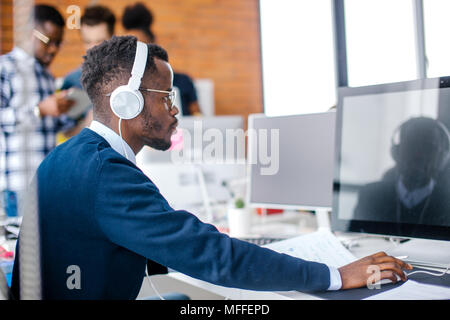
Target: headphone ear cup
{"x": 126, "y": 103}
{"x": 394, "y": 152}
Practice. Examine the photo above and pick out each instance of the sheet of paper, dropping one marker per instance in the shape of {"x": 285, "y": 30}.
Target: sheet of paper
{"x": 321, "y": 246}
{"x": 413, "y": 290}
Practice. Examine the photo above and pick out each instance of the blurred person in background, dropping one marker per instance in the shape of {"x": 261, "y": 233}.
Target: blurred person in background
{"x": 96, "y": 25}
{"x": 137, "y": 21}
{"x": 29, "y": 106}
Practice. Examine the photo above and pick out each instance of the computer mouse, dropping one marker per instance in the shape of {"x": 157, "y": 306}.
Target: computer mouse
{"x": 387, "y": 281}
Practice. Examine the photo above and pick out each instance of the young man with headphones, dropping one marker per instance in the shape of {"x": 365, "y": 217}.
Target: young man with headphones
{"x": 414, "y": 191}
{"x": 99, "y": 212}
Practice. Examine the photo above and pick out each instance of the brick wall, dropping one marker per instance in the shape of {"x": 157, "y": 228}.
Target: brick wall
{"x": 216, "y": 39}
{"x": 6, "y": 24}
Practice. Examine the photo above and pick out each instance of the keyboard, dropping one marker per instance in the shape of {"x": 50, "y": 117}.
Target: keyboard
{"x": 261, "y": 241}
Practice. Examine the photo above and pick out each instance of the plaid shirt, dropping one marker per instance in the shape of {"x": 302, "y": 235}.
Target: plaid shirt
{"x": 25, "y": 139}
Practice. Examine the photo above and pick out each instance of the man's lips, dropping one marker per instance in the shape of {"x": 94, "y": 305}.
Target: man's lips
{"x": 173, "y": 126}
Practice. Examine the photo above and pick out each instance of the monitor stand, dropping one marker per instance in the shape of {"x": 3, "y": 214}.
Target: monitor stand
{"x": 323, "y": 219}
{"x": 424, "y": 253}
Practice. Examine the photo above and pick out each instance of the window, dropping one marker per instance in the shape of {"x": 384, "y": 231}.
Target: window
{"x": 297, "y": 56}
{"x": 436, "y": 14}
{"x": 381, "y": 45}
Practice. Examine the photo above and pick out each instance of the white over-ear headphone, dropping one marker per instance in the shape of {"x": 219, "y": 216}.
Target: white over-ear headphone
{"x": 126, "y": 101}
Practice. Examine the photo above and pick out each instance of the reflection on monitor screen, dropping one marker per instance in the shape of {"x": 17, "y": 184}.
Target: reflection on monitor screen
{"x": 392, "y": 172}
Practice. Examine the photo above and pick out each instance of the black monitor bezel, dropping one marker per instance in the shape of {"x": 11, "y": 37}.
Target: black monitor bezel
{"x": 376, "y": 227}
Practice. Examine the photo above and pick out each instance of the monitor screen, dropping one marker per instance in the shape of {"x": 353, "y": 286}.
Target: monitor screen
{"x": 392, "y": 169}
{"x": 301, "y": 149}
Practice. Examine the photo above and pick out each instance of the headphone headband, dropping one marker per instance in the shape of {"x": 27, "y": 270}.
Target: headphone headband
{"x": 439, "y": 124}
{"x": 140, "y": 61}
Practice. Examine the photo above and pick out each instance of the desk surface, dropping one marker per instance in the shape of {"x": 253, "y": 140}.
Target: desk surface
{"x": 361, "y": 248}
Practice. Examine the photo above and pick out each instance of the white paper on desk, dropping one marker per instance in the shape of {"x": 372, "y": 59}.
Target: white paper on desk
{"x": 413, "y": 290}
{"x": 321, "y": 246}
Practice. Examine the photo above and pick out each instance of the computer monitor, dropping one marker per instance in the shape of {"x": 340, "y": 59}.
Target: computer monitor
{"x": 205, "y": 152}
{"x": 305, "y": 155}
{"x": 392, "y": 169}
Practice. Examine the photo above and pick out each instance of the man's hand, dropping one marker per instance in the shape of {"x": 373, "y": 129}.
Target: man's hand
{"x": 55, "y": 105}
{"x": 357, "y": 274}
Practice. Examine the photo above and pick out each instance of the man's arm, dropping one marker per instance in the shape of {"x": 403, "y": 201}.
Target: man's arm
{"x": 55, "y": 105}
{"x": 132, "y": 213}
{"x": 72, "y": 80}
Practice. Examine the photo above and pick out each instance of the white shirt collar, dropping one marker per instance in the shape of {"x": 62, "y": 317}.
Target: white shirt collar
{"x": 414, "y": 197}
{"x": 117, "y": 143}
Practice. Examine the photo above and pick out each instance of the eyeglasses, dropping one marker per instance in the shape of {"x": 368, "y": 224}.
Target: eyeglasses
{"x": 169, "y": 100}
{"x": 44, "y": 39}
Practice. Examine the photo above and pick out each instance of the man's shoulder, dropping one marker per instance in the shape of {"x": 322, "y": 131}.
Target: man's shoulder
{"x": 17, "y": 57}
{"x": 7, "y": 56}
{"x": 74, "y": 75}
{"x": 7, "y": 62}
{"x": 86, "y": 137}
{"x": 87, "y": 144}
{"x": 74, "y": 72}
{"x": 72, "y": 79}
{"x": 181, "y": 75}
{"x": 182, "y": 79}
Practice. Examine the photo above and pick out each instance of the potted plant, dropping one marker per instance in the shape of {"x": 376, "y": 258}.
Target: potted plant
{"x": 239, "y": 218}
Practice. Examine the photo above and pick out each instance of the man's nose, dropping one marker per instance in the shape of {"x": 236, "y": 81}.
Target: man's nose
{"x": 174, "y": 111}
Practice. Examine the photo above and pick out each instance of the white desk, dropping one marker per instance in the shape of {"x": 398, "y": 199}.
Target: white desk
{"x": 241, "y": 294}
{"x": 362, "y": 247}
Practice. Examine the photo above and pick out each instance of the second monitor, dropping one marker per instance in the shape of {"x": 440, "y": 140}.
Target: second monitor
{"x": 304, "y": 179}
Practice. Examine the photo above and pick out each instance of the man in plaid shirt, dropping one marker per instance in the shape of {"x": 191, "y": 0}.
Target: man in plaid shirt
{"x": 31, "y": 113}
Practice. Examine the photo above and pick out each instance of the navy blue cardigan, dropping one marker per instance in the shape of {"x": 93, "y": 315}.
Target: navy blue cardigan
{"x": 100, "y": 213}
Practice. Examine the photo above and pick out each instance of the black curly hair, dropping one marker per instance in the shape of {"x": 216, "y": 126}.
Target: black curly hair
{"x": 107, "y": 65}
{"x": 138, "y": 16}
{"x": 97, "y": 14}
{"x": 44, "y": 13}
